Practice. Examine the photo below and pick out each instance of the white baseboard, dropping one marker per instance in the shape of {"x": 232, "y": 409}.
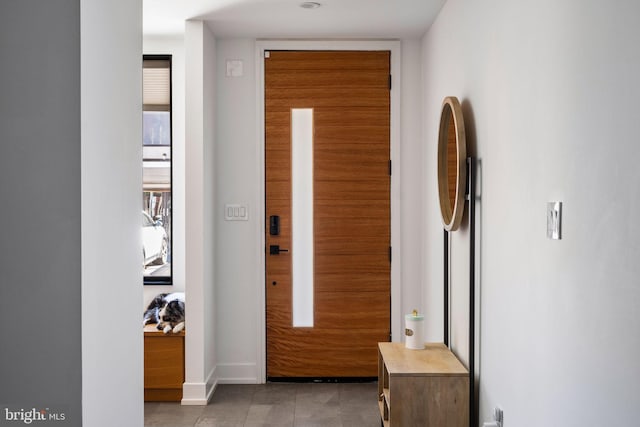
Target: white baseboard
{"x": 199, "y": 394}
{"x": 237, "y": 373}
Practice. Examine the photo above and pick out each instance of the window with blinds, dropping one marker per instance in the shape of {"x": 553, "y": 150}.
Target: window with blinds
{"x": 156, "y": 167}
{"x": 157, "y": 85}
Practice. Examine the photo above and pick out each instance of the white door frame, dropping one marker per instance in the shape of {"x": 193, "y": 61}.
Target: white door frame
{"x": 395, "y": 48}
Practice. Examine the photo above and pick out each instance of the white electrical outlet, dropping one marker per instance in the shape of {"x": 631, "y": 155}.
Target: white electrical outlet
{"x": 497, "y": 416}
{"x": 497, "y": 419}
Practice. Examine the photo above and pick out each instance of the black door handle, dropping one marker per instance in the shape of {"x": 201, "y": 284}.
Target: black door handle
{"x": 275, "y": 250}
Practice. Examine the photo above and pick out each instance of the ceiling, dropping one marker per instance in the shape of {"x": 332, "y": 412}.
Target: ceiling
{"x": 286, "y": 19}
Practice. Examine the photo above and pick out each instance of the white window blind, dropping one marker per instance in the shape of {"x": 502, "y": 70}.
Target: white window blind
{"x": 156, "y": 78}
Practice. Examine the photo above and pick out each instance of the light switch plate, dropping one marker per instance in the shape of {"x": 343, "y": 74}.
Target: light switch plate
{"x": 554, "y": 220}
{"x": 235, "y": 212}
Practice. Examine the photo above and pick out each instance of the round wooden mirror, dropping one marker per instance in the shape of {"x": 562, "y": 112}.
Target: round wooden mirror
{"x": 452, "y": 163}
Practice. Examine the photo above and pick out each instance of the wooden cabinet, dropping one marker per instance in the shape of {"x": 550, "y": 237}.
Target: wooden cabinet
{"x": 427, "y": 387}
{"x": 163, "y": 365}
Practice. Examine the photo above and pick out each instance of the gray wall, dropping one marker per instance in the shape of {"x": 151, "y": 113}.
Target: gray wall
{"x": 40, "y": 354}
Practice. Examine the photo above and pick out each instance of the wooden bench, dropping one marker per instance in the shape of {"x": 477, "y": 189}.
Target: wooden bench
{"x": 429, "y": 387}
{"x": 163, "y": 365}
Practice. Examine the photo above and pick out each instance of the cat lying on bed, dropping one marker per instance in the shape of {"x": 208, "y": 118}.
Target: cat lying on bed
{"x": 167, "y": 310}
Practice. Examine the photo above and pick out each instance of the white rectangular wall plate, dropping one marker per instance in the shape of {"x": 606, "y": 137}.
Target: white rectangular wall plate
{"x": 236, "y": 212}
{"x": 235, "y": 68}
{"x": 554, "y": 220}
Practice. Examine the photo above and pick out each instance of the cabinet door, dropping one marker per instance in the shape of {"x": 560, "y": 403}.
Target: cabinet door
{"x": 163, "y": 362}
{"x": 431, "y": 401}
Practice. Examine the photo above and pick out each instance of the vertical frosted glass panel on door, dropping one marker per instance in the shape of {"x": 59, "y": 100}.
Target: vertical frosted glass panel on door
{"x": 302, "y": 215}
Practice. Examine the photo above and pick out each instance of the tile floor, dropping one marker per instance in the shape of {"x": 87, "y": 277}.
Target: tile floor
{"x": 275, "y": 405}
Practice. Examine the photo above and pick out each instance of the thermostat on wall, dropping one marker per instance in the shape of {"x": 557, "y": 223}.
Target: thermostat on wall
{"x": 234, "y": 68}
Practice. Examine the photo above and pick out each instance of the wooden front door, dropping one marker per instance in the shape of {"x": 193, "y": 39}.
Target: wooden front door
{"x": 347, "y": 97}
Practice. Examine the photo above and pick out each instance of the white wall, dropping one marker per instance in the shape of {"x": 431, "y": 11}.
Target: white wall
{"x": 173, "y": 45}
{"x": 412, "y": 179}
{"x": 238, "y": 161}
{"x": 550, "y": 95}
{"x": 236, "y": 170}
{"x": 209, "y": 107}
{"x": 200, "y": 358}
{"x": 111, "y": 176}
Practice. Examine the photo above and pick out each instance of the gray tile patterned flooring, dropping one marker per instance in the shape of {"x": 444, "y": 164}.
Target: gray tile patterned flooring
{"x": 275, "y": 405}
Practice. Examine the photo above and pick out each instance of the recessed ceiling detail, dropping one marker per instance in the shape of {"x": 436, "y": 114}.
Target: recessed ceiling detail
{"x": 310, "y": 5}
{"x": 265, "y": 19}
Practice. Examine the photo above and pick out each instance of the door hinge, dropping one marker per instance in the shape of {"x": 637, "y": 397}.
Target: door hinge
{"x": 389, "y": 81}
{"x": 390, "y": 251}
{"x": 389, "y": 167}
